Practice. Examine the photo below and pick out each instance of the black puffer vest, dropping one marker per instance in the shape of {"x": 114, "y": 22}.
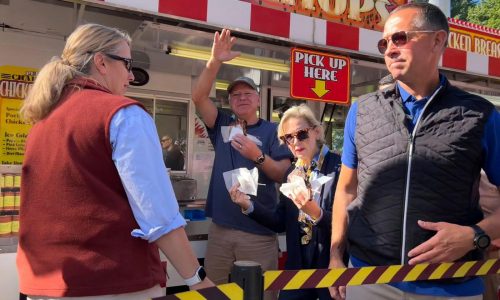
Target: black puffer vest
{"x": 430, "y": 175}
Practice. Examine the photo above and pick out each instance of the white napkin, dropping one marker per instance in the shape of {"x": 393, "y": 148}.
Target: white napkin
{"x": 248, "y": 180}
{"x": 319, "y": 181}
{"x": 228, "y": 133}
{"x": 296, "y": 185}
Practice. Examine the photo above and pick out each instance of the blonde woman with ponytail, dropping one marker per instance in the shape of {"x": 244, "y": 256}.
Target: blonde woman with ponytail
{"x": 97, "y": 202}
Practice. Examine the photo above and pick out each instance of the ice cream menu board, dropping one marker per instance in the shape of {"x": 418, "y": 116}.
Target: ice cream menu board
{"x": 15, "y": 83}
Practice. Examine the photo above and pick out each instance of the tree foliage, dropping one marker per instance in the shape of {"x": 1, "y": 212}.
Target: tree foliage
{"x": 486, "y": 13}
{"x": 460, "y": 9}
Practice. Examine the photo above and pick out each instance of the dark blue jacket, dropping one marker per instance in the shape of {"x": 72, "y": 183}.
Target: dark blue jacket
{"x": 316, "y": 254}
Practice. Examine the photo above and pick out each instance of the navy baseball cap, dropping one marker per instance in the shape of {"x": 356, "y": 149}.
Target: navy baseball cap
{"x": 242, "y": 79}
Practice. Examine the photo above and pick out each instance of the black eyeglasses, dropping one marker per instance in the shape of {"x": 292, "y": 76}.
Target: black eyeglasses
{"x": 399, "y": 39}
{"x": 127, "y": 61}
{"x": 301, "y": 135}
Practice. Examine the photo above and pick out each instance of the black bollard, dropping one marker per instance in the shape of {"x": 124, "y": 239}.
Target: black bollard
{"x": 248, "y": 275}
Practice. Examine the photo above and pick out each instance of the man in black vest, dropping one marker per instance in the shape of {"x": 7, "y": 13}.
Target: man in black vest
{"x": 411, "y": 166}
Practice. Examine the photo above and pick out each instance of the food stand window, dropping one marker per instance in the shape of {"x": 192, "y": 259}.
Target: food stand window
{"x": 171, "y": 118}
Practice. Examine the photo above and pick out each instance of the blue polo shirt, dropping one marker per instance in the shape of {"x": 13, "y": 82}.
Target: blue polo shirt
{"x": 491, "y": 146}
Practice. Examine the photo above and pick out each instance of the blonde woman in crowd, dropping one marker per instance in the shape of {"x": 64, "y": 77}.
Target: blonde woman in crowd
{"x": 305, "y": 215}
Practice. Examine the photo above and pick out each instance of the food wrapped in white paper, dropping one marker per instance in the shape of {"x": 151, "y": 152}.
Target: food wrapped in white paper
{"x": 229, "y": 132}
{"x": 248, "y": 180}
{"x": 296, "y": 185}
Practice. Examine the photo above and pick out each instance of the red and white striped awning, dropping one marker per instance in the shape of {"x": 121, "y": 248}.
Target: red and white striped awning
{"x": 300, "y": 29}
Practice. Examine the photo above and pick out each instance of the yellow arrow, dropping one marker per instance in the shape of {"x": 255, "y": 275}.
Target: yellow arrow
{"x": 320, "y": 88}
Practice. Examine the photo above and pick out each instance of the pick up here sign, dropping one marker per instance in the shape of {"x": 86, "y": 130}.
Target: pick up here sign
{"x": 320, "y": 76}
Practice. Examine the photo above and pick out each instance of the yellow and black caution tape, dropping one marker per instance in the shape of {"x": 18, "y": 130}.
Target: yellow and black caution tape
{"x": 321, "y": 278}
{"x": 230, "y": 291}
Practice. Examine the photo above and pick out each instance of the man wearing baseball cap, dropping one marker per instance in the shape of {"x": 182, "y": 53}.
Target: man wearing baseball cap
{"x": 233, "y": 235}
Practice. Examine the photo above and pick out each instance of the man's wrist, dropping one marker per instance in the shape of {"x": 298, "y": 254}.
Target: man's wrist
{"x": 214, "y": 62}
{"x": 260, "y": 159}
{"x": 481, "y": 240}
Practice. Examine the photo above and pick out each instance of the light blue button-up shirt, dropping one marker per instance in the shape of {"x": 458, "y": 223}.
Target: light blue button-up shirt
{"x": 138, "y": 158}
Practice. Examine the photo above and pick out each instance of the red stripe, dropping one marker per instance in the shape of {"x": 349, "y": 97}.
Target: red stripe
{"x": 213, "y": 293}
{"x": 375, "y": 274}
{"x": 209, "y": 293}
{"x": 342, "y": 36}
{"x": 192, "y": 9}
{"x": 494, "y": 66}
{"x": 346, "y": 277}
{"x": 455, "y": 59}
{"x": 451, "y": 270}
{"x": 270, "y": 21}
{"x": 475, "y": 267}
{"x": 426, "y": 273}
{"x": 282, "y": 280}
{"x": 315, "y": 279}
{"x": 496, "y": 266}
{"x": 401, "y": 274}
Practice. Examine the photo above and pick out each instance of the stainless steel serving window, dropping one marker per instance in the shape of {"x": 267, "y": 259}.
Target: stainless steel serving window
{"x": 171, "y": 119}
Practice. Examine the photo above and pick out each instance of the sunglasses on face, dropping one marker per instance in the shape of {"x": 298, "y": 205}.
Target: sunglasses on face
{"x": 399, "y": 39}
{"x": 301, "y": 135}
{"x": 127, "y": 61}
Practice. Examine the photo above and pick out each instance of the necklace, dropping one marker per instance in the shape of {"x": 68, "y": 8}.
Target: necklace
{"x": 305, "y": 171}
{"x": 305, "y": 221}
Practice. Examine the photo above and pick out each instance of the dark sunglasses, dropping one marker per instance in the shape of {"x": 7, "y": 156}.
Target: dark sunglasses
{"x": 301, "y": 135}
{"x": 127, "y": 61}
{"x": 399, "y": 39}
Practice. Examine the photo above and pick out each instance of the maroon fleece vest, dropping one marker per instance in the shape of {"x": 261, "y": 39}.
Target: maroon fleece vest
{"x": 75, "y": 219}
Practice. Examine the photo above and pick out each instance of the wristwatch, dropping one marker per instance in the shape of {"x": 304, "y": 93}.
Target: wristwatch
{"x": 198, "y": 277}
{"x": 260, "y": 160}
{"x": 481, "y": 239}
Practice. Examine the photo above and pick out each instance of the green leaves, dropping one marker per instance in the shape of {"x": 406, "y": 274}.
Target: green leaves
{"x": 486, "y": 13}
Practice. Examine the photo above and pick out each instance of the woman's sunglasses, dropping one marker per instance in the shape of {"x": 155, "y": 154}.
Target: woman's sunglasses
{"x": 399, "y": 39}
{"x": 301, "y": 135}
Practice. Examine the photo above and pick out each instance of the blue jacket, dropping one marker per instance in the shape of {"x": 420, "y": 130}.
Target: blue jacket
{"x": 316, "y": 254}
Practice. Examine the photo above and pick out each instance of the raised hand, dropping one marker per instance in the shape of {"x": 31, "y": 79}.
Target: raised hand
{"x": 221, "y": 48}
